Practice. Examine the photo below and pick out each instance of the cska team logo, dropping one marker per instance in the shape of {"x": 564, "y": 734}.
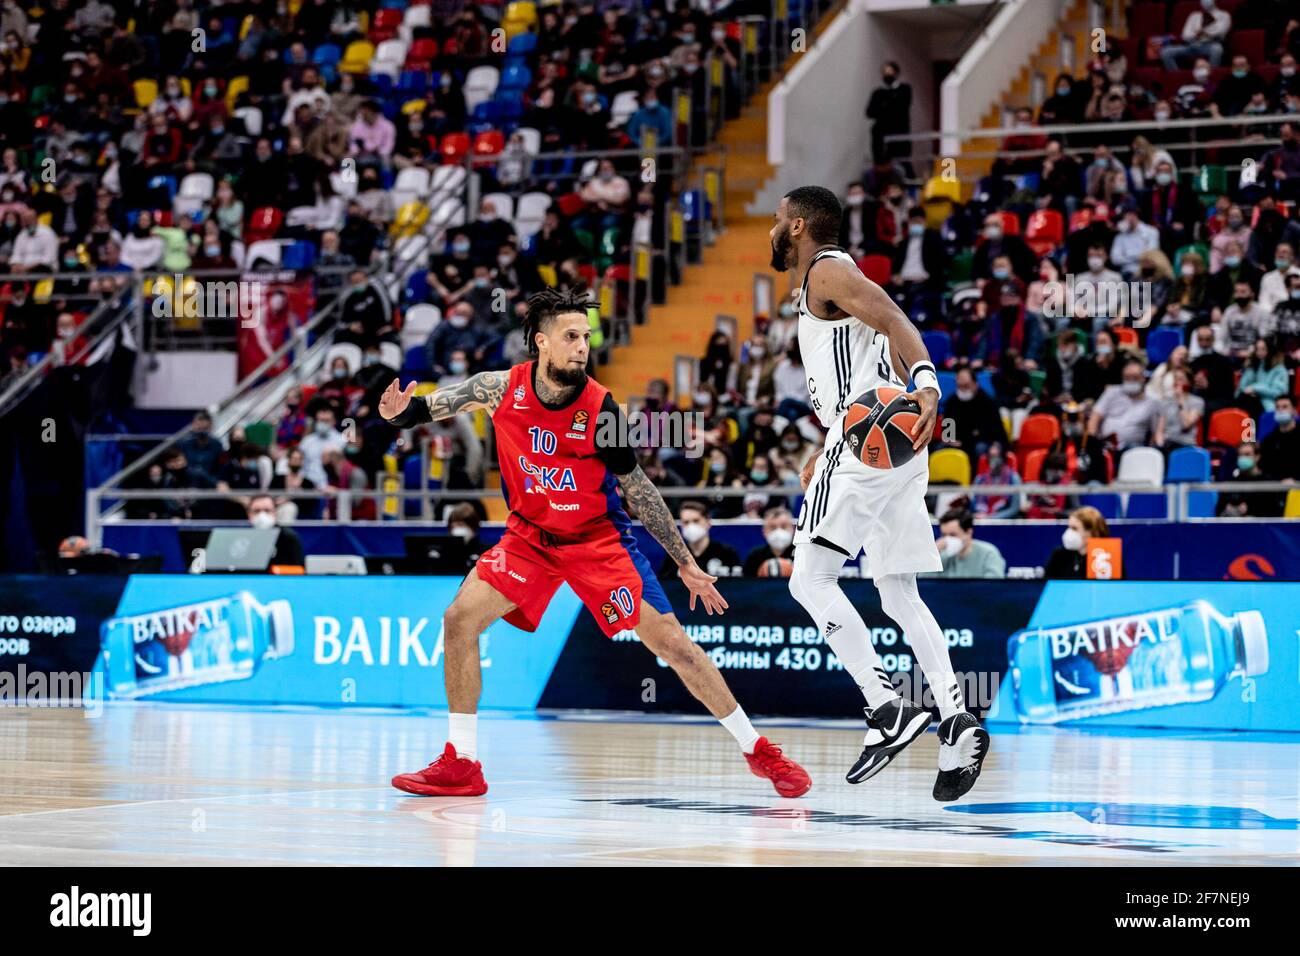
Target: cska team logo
{"x": 519, "y": 393}
{"x": 610, "y": 612}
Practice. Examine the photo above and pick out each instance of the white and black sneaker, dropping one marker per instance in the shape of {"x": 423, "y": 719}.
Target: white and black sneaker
{"x": 963, "y": 745}
{"x": 893, "y": 727}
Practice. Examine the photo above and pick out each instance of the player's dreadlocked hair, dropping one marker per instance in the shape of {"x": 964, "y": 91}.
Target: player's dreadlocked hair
{"x": 820, "y": 208}
{"x": 546, "y": 305}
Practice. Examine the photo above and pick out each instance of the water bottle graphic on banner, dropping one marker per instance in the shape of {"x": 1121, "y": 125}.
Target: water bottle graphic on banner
{"x": 207, "y": 642}
{"x": 1156, "y": 658}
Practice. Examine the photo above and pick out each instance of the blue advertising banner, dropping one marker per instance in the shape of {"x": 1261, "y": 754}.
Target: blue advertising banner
{"x": 1217, "y": 655}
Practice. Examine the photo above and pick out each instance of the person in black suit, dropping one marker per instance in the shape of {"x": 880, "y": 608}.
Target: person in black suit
{"x": 890, "y": 109}
{"x": 920, "y": 264}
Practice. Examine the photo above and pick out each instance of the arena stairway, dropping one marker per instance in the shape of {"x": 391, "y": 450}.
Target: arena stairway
{"x": 1053, "y": 56}
{"x": 722, "y": 283}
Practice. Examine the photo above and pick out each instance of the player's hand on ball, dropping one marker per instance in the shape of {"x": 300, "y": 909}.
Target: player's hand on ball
{"x": 923, "y": 430}
{"x": 701, "y": 586}
{"x": 806, "y": 473}
{"x": 395, "y": 399}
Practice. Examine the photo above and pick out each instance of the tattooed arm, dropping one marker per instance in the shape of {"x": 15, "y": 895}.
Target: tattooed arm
{"x": 401, "y": 408}
{"x": 644, "y": 497}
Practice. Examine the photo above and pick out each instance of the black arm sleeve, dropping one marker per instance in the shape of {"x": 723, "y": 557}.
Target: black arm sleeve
{"x": 415, "y": 413}
{"x": 618, "y": 458}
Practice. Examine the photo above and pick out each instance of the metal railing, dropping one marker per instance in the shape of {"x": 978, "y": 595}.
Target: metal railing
{"x": 1194, "y": 144}
{"x": 344, "y": 501}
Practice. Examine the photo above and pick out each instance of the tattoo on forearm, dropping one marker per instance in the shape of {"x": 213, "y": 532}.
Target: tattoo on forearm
{"x": 483, "y": 390}
{"x": 641, "y": 493}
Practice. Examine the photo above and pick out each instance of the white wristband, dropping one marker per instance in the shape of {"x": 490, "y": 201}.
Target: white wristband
{"x": 923, "y": 375}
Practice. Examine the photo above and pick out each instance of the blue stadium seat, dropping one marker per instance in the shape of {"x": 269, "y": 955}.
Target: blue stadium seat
{"x": 327, "y": 54}
{"x": 417, "y": 288}
{"x": 1188, "y": 464}
{"x": 939, "y": 345}
{"x": 1107, "y": 504}
{"x": 516, "y": 77}
{"x": 1161, "y": 342}
{"x": 298, "y": 255}
{"x": 1202, "y": 504}
{"x": 413, "y": 83}
{"x": 947, "y": 384}
{"x": 1151, "y": 505}
{"x": 985, "y": 381}
{"x": 522, "y": 43}
{"x": 1267, "y": 422}
{"x": 417, "y": 361}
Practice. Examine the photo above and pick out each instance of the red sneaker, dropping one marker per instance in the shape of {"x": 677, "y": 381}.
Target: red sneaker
{"x": 448, "y": 776}
{"x": 789, "y": 779}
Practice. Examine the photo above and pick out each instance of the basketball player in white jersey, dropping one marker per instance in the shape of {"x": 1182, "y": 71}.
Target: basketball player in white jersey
{"x": 852, "y": 338}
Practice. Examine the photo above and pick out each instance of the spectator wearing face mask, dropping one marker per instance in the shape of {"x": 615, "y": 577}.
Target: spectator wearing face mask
{"x": 998, "y": 472}
{"x": 962, "y": 555}
{"x": 1070, "y": 560}
{"x": 288, "y": 546}
{"x": 289, "y": 477}
{"x": 715, "y": 557}
{"x": 778, "y": 535}
{"x": 202, "y": 452}
{"x": 323, "y": 437}
{"x": 1045, "y": 504}
{"x": 1229, "y": 245}
{"x": 1235, "y": 91}
{"x": 489, "y": 232}
{"x": 1134, "y": 238}
{"x": 1273, "y": 286}
{"x": 1264, "y": 378}
{"x": 856, "y": 221}
{"x": 1286, "y": 318}
{"x": 457, "y": 333}
{"x": 607, "y": 195}
{"x": 651, "y": 116}
{"x": 1125, "y": 414}
{"x": 996, "y": 243}
{"x": 463, "y": 523}
{"x": 919, "y": 262}
{"x": 754, "y": 374}
{"x": 1161, "y": 385}
{"x": 1280, "y": 166}
{"x": 890, "y": 110}
{"x": 1202, "y": 35}
{"x": 720, "y": 472}
{"x": 1245, "y": 466}
{"x": 1182, "y": 413}
{"x": 1279, "y": 453}
{"x": 1244, "y": 321}
{"x": 976, "y": 420}
{"x": 1189, "y": 299}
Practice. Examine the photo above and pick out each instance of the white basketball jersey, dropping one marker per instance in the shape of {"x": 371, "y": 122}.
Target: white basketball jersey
{"x": 842, "y": 357}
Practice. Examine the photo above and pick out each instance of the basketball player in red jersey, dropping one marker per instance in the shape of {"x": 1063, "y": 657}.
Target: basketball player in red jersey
{"x": 566, "y": 525}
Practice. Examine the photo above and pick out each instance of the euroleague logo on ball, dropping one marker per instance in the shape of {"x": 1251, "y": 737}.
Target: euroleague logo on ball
{"x": 878, "y": 425}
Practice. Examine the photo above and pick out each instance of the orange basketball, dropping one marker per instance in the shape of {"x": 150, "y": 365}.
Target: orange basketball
{"x": 878, "y": 427}
{"x": 776, "y": 568}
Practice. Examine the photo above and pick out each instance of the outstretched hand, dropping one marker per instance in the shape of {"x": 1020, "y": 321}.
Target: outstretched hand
{"x": 700, "y": 584}
{"x": 395, "y": 399}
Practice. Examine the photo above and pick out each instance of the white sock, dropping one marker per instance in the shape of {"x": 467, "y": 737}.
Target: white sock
{"x": 815, "y": 584}
{"x": 901, "y": 601}
{"x": 462, "y": 732}
{"x": 738, "y": 725}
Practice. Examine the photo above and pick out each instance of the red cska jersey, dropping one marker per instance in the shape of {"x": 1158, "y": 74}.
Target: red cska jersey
{"x": 552, "y": 474}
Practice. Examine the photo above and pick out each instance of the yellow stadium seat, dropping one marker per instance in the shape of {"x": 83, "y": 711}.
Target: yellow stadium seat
{"x": 409, "y": 220}
{"x": 46, "y": 219}
{"x": 43, "y": 292}
{"x": 357, "y": 57}
{"x": 514, "y": 28}
{"x": 548, "y": 275}
{"x": 294, "y": 7}
{"x": 246, "y": 26}
{"x": 480, "y": 423}
{"x": 950, "y": 465}
{"x": 146, "y": 91}
{"x": 938, "y": 188}
{"x": 414, "y": 106}
{"x": 186, "y": 89}
{"x": 425, "y": 388}
{"x": 237, "y": 85}
{"x": 936, "y": 212}
{"x": 522, "y": 10}
{"x": 1292, "y": 504}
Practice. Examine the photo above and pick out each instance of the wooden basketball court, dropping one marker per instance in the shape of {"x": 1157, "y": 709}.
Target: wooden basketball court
{"x": 188, "y": 785}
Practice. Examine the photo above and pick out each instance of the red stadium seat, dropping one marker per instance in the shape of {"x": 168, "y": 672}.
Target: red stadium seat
{"x": 1229, "y": 426}
{"x": 877, "y": 268}
{"x": 264, "y": 223}
{"x": 1010, "y": 223}
{"x": 490, "y": 142}
{"x": 454, "y": 147}
{"x": 1038, "y": 431}
{"x": 385, "y": 24}
{"x": 983, "y": 468}
{"x": 1045, "y": 231}
{"x": 1248, "y": 43}
{"x": 1080, "y": 219}
{"x": 571, "y": 204}
{"x": 1034, "y": 463}
{"x": 1125, "y": 336}
{"x": 421, "y": 54}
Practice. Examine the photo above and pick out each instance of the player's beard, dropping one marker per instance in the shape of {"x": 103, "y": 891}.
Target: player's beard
{"x": 781, "y": 249}
{"x": 567, "y": 376}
